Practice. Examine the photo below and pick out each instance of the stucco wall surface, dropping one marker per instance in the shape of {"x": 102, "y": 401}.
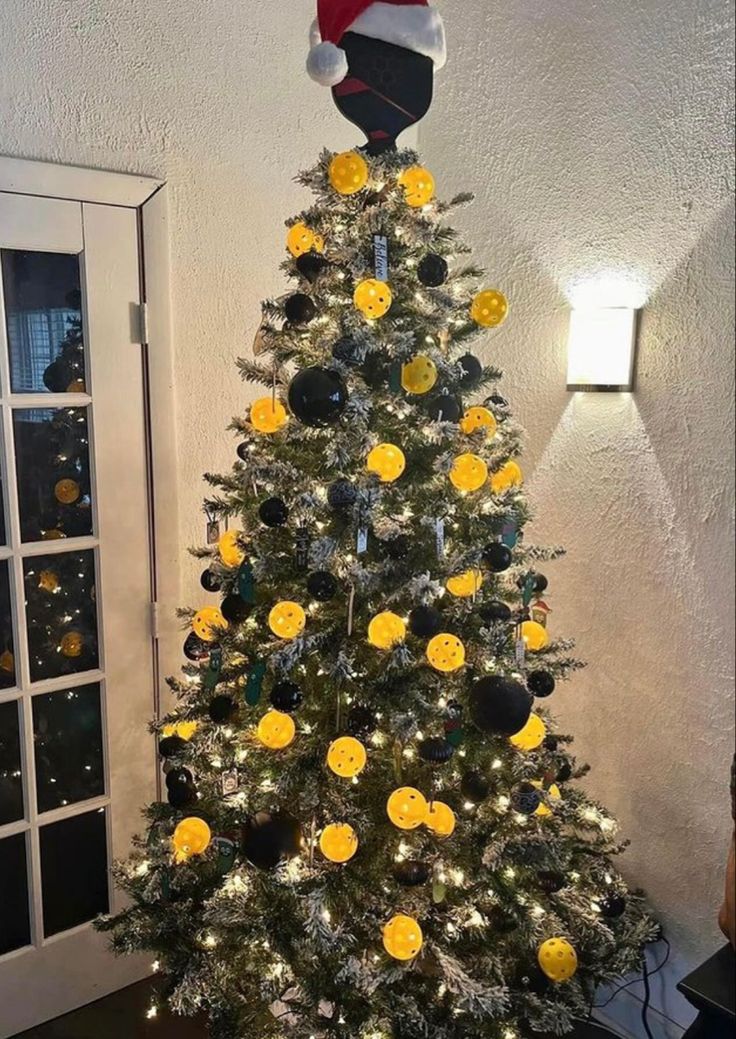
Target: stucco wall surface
{"x": 597, "y": 139}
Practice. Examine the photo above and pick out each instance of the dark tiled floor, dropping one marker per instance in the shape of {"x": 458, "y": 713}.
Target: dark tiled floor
{"x": 122, "y": 1016}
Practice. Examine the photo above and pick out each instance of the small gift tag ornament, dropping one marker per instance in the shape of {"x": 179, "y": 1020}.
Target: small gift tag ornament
{"x": 439, "y": 892}
{"x": 213, "y": 531}
{"x": 246, "y": 584}
{"x": 380, "y": 256}
{"x": 254, "y": 685}
{"x": 230, "y": 782}
{"x": 510, "y": 534}
{"x": 520, "y": 653}
{"x": 439, "y": 531}
{"x": 225, "y": 849}
{"x": 302, "y": 547}
{"x": 259, "y": 341}
{"x": 214, "y": 667}
{"x": 362, "y": 542}
{"x": 527, "y": 592}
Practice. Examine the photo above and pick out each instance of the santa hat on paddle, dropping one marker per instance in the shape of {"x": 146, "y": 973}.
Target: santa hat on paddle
{"x": 411, "y": 24}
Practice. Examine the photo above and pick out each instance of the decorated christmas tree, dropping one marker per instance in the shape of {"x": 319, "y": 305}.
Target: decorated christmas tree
{"x": 373, "y": 829}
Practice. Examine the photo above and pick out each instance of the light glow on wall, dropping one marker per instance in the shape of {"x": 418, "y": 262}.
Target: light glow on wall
{"x": 601, "y": 348}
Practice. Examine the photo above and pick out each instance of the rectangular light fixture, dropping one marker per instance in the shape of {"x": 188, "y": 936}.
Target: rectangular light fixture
{"x": 601, "y": 348}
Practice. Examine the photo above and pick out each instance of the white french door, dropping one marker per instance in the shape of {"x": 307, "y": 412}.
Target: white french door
{"x": 76, "y": 650}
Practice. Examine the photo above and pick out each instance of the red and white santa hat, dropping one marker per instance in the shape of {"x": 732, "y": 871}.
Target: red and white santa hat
{"x": 412, "y": 24}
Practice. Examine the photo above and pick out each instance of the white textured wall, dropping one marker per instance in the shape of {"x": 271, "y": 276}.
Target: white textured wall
{"x": 596, "y": 138}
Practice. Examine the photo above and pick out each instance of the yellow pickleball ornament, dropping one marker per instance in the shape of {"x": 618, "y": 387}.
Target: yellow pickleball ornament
{"x": 71, "y": 644}
{"x": 276, "y": 730}
{"x": 464, "y": 585}
{"x": 67, "y": 491}
{"x": 446, "y": 652}
{"x": 48, "y": 581}
{"x": 346, "y": 757}
{"x": 489, "y": 308}
{"x": 440, "y": 819}
{"x": 338, "y": 842}
{"x": 531, "y": 736}
{"x": 302, "y": 239}
{"x": 386, "y": 630}
{"x": 184, "y": 730}
{"x": 287, "y": 620}
{"x": 534, "y": 635}
{"x": 230, "y": 551}
{"x": 508, "y": 476}
{"x": 553, "y": 793}
{"x": 373, "y": 298}
{"x": 419, "y": 186}
{"x": 387, "y": 461}
{"x": 403, "y": 938}
{"x": 407, "y": 808}
{"x": 207, "y": 623}
{"x": 558, "y": 959}
{"x": 267, "y": 415}
{"x": 468, "y": 473}
{"x": 191, "y": 837}
{"x": 348, "y": 173}
{"x": 476, "y": 418}
{"x": 419, "y": 375}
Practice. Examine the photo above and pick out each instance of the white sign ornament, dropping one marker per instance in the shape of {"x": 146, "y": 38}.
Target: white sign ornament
{"x": 380, "y": 256}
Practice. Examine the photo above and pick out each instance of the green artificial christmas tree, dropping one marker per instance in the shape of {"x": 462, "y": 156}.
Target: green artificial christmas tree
{"x": 373, "y": 829}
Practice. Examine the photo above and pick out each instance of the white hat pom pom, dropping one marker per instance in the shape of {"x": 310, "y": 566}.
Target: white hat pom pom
{"x": 327, "y": 64}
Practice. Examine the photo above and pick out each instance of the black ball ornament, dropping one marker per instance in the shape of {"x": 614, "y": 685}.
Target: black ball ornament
{"x": 445, "y": 408}
{"x": 181, "y": 795}
{"x": 210, "y": 581}
{"x": 346, "y": 350}
{"x": 179, "y": 775}
{"x": 171, "y": 746}
{"x": 234, "y": 609}
{"x": 540, "y": 581}
{"x": 541, "y": 683}
{"x": 375, "y": 369}
{"x": 497, "y": 556}
{"x": 612, "y": 906}
{"x": 495, "y": 612}
{"x": 242, "y": 451}
{"x": 499, "y": 405}
{"x": 436, "y": 750}
{"x": 317, "y": 396}
{"x": 341, "y": 494}
{"x": 532, "y": 978}
{"x": 425, "y": 622}
{"x": 471, "y": 369}
{"x": 286, "y": 697}
{"x": 551, "y": 882}
{"x": 361, "y": 720}
{"x": 475, "y": 787}
{"x": 300, "y": 309}
{"x": 195, "y": 648}
{"x": 500, "y": 705}
{"x": 273, "y": 512}
{"x": 396, "y": 548}
{"x": 564, "y": 772}
{"x": 411, "y": 873}
{"x": 269, "y": 838}
{"x": 433, "y": 270}
{"x": 551, "y": 743}
{"x": 322, "y": 585}
{"x": 526, "y": 799}
{"x": 222, "y": 709}
{"x": 57, "y": 376}
{"x": 310, "y": 265}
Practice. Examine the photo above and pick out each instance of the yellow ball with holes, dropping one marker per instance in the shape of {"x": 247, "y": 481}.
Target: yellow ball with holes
{"x": 184, "y": 730}
{"x": 440, "y": 819}
{"x": 346, "y": 757}
{"x": 267, "y": 415}
{"x": 531, "y": 736}
{"x": 48, "y": 581}
{"x": 558, "y": 959}
{"x": 348, "y": 173}
{"x": 403, "y": 938}
{"x": 508, "y": 476}
{"x": 489, "y": 308}
{"x": 476, "y": 418}
{"x": 553, "y": 793}
{"x": 419, "y": 186}
{"x": 276, "y": 730}
{"x": 302, "y": 239}
{"x": 446, "y": 652}
{"x": 67, "y": 491}
{"x": 419, "y": 375}
{"x": 468, "y": 473}
{"x": 387, "y": 461}
{"x": 407, "y": 808}
{"x": 338, "y": 842}
{"x": 464, "y": 585}
{"x": 71, "y": 644}
{"x": 191, "y": 837}
{"x": 534, "y": 635}
{"x": 373, "y": 298}
{"x": 230, "y": 551}
{"x": 208, "y": 622}
{"x": 287, "y": 620}
{"x": 386, "y": 630}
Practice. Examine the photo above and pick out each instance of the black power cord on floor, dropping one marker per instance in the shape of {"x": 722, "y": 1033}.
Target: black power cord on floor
{"x": 646, "y": 976}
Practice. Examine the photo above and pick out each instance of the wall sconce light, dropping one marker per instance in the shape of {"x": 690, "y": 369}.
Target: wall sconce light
{"x": 601, "y": 349}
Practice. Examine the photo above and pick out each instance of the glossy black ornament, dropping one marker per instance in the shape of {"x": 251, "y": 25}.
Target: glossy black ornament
{"x": 455, "y": 710}
{"x": 300, "y": 309}
{"x": 171, "y": 746}
{"x": 317, "y": 396}
{"x": 551, "y": 743}
{"x": 445, "y": 408}
{"x": 57, "y": 376}
{"x": 179, "y": 775}
{"x": 341, "y": 494}
{"x": 243, "y": 451}
{"x": 273, "y": 512}
{"x": 361, "y": 720}
{"x": 436, "y": 750}
{"x": 222, "y": 709}
{"x": 322, "y": 585}
{"x": 195, "y": 648}
{"x": 551, "y": 882}
{"x": 541, "y": 683}
{"x": 498, "y": 405}
{"x": 375, "y": 369}
{"x": 612, "y": 906}
{"x": 396, "y": 548}
{"x": 495, "y": 612}
{"x": 472, "y": 370}
{"x": 526, "y": 799}
{"x": 234, "y": 609}
{"x": 425, "y": 622}
{"x": 411, "y": 873}
{"x": 532, "y": 978}
{"x": 564, "y": 772}
{"x": 433, "y": 270}
{"x": 286, "y": 697}
{"x": 181, "y": 795}
{"x": 497, "y": 556}
{"x": 347, "y": 351}
{"x": 500, "y": 705}
{"x": 475, "y": 787}
{"x": 310, "y": 265}
{"x": 540, "y": 581}
{"x": 210, "y": 581}
{"x": 268, "y": 839}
